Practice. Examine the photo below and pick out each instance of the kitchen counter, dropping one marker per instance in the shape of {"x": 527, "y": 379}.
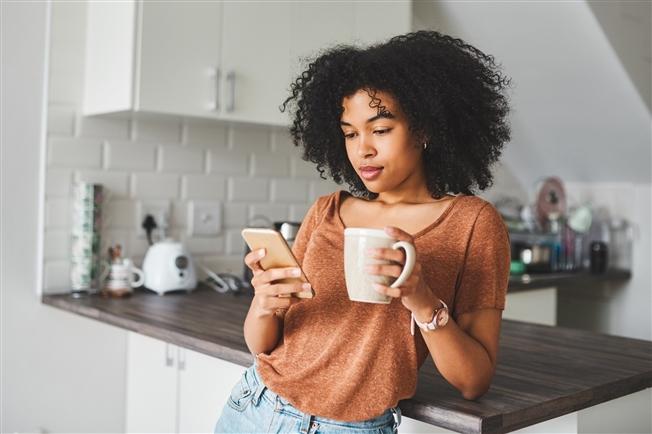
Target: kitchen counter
{"x": 543, "y": 372}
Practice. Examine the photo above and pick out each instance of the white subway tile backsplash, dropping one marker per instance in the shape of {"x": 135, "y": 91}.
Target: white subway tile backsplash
{"x": 155, "y": 186}
{"x": 174, "y": 158}
{"x": 204, "y": 187}
{"x": 94, "y": 126}
{"x": 75, "y": 152}
{"x": 116, "y": 184}
{"x": 248, "y": 189}
{"x": 137, "y": 244}
{"x": 303, "y": 169}
{"x": 249, "y": 138}
{"x": 156, "y": 131}
{"x": 56, "y": 244}
{"x": 225, "y": 162}
{"x": 58, "y": 213}
{"x": 271, "y": 211}
{"x": 282, "y": 142}
{"x": 206, "y": 133}
{"x": 235, "y": 244}
{"x": 119, "y": 213}
{"x": 298, "y": 212}
{"x": 204, "y": 245}
{"x": 233, "y": 264}
{"x": 123, "y": 155}
{"x": 61, "y": 120}
{"x": 266, "y": 164}
{"x": 58, "y": 182}
{"x": 179, "y": 214}
{"x": 112, "y": 238}
{"x": 289, "y": 190}
{"x": 235, "y": 215}
{"x": 321, "y": 188}
{"x": 56, "y": 276}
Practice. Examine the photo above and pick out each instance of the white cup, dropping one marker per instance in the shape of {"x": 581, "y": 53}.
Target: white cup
{"x": 121, "y": 276}
{"x": 359, "y": 284}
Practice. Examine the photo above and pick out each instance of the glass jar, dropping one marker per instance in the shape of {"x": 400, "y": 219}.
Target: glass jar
{"x": 621, "y": 235}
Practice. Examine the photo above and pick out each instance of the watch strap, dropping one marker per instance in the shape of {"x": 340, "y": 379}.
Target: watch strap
{"x": 432, "y": 325}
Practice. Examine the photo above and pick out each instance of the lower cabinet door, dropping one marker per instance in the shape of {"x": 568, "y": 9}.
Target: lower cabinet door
{"x": 151, "y": 385}
{"x": 205, "y": 383}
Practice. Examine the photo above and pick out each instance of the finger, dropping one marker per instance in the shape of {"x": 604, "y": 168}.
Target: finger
{"x": 392, "y": 292}
{"x": 391, "y": 270}
{"x": 274, "y": 274}
{"x": 285, "y": 289}
{"x": 395, "y": 255}
{"x": 252, "y": 259}
{"x": 399, "y": 234}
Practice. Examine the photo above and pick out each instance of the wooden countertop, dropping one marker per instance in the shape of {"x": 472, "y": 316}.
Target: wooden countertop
{"x": 543, "y": 372}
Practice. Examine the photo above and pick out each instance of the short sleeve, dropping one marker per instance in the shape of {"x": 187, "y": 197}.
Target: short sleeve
{"x": 308, "y": 224}
{"x": 483, "y": 280}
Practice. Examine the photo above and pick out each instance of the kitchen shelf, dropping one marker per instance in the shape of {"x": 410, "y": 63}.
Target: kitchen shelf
{"x": 568, "y": 279}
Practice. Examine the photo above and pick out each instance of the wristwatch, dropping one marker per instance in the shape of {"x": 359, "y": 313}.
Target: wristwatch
{"x": 439, "y": 319}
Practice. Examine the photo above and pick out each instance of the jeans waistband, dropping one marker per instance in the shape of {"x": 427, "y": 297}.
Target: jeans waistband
{"x": 261, "y": 391}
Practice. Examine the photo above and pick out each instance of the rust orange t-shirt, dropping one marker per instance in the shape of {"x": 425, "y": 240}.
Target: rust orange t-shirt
{"x": 352, "y": 361}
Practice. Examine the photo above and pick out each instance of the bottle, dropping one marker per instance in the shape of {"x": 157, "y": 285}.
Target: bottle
{"x": 622, "y": 235}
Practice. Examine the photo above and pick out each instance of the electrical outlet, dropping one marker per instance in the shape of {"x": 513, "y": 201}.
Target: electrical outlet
{"x": 159, "y": 209}
{"x": 204, "y": 218}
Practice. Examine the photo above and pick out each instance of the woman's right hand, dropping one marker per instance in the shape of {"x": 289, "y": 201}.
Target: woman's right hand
{"x": 269, "y": 296}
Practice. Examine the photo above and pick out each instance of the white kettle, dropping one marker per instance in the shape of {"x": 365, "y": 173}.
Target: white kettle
{"x": 169, "y": 267}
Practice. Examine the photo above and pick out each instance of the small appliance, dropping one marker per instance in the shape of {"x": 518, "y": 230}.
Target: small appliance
{"x": 169, "y": 267}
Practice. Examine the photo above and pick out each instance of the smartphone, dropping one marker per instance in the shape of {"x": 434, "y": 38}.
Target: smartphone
{"x": 277, "y": 255}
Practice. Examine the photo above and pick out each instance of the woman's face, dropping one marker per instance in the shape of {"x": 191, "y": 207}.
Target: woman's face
{"x": 380, "y": 147}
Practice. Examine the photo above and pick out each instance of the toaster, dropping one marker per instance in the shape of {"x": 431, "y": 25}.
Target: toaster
{"x": 169, "y": 267}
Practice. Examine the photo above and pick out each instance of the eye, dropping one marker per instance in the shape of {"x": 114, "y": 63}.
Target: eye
{"x": 349, "y": 135}
{"x": 381, "y": 132}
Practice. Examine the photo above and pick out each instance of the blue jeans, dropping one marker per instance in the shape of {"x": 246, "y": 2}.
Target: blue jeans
{"x": 253, "y": 408}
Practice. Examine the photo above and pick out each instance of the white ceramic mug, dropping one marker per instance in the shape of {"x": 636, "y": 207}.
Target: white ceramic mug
{"x": 121, "y": 276}
{"x": 359, "y": 284}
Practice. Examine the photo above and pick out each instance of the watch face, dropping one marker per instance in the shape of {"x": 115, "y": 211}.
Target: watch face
{"x": 442, "y": 317}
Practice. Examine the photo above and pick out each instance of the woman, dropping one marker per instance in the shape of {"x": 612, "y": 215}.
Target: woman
{"x": 412, "y": 126}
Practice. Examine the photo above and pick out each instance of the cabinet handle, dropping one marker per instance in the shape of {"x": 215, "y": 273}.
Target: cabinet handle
{"x": 230, "y": 77}
{"x": 182, "y": 359}
{"x": 218, "y": 78}
{"x": 169, "y": 361}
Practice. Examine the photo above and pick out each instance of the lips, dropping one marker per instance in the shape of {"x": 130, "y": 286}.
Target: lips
{"x": 370, "y": 172}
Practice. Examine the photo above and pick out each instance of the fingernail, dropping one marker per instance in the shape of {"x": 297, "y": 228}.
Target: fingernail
{"x": 296, "y": 272}
{"x": 306, "y": 286}
{"x": 261, "y": 253}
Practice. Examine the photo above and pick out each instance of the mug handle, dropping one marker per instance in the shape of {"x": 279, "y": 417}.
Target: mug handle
{"x": 410, "y": 260}
{"x": 141, "y": 277}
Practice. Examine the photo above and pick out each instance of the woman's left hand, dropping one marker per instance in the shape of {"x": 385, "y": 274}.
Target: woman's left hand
{"x": 414, "y": 293}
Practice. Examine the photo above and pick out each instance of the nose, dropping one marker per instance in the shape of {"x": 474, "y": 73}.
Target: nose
{"x": 365, "y": 146}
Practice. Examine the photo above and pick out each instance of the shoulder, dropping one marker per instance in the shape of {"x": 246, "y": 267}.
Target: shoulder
{"x": 479, "y": 212}
{"x": 321, "y": 206}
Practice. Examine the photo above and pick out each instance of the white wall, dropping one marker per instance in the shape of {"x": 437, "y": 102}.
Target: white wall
{"x": 60, "y": 372}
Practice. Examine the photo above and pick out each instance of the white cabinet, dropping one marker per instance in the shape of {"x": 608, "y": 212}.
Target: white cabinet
{"x": 219, "y": 60}
{"x": 180, "y": 45}
{"x": 172, "y": 389}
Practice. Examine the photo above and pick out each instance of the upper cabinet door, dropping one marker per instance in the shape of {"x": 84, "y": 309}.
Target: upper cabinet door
{"x": 179, "y": 57}
{"x": 256, "y": 61}
{"x": 316, "y": 26}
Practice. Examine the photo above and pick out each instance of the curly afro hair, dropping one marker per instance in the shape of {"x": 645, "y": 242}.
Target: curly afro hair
{"x": 451, "y": 93}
